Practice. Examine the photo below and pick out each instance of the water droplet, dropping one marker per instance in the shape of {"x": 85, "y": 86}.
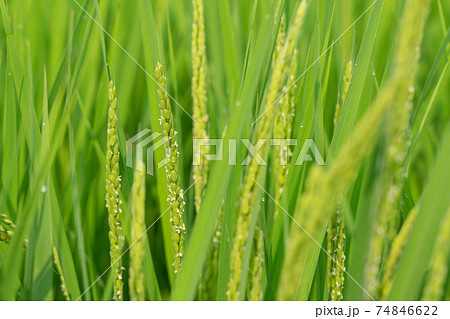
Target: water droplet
{"x": 44, "y": 189}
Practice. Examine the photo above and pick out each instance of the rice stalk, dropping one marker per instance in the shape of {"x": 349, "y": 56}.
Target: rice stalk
{"x": 207, "y": 287}
{"x": 438, "y": 269}
{"x": 336, "y": 233}
{"x": 175, "y": 193}
{"x": 262, "y": 131}
{"x": 113, "y": 202}
{"x": 257, "y": 269}
{"x": 397, "y": 130}
{"x": 394, "y": 255}
{"x": 282, "y": 131}
{"x": 137, "y": 251}
{"x": 200, "y": 172}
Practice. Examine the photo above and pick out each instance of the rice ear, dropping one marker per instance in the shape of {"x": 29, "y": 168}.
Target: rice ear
{"x": 282, "y": 131}
{"x": 113, "y": 202}
{"x": 200, "y": 114}
{"x": 175, "y": 193}
{"x": 257, "y": 269}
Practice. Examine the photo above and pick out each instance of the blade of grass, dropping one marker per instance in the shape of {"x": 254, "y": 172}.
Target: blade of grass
{"x": 43, "y": 261}
{"x": 13, "y": 257}
{"x": 27, "y": 110}
{"x": 77, "y": 216}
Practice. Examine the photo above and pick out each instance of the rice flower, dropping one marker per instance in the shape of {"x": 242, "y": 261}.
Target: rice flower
{"x": 175, "y": 193}
{"x": 60, "y": 273}
{"x": 394, "y": 255}
{"x": 257, "y": 269}
{"x": 6, "y": 228}
{"x": 437, "y": 273}
{"x": 263, "y": 129}
{"x": 398, "y": 119}
{"x": 113, "y": 202}
{"x": 136, "y": 280}
{"x": 200, "y": 114}
{"x": 338, "y": 254}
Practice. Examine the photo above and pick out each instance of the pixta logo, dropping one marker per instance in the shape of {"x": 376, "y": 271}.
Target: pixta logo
{"x": 255, "y": 151}
{"x": 145, "y": 145}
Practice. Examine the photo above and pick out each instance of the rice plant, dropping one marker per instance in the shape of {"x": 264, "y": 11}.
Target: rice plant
{"x": 324, "y": 132}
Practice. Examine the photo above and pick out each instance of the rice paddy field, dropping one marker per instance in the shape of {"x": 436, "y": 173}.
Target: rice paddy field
{"x": 224, "y": 150}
